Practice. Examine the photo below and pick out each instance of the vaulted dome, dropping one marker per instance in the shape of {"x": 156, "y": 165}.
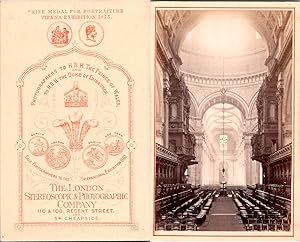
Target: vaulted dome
{"x": 223, "y": 43}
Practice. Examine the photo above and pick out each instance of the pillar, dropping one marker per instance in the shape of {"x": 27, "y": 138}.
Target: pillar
{"x": 167, "y": 94}
{"x": 169, "y": 174}
{"x": 159, "y": 174}
{"x": 178, "y": 172}
{"x": 264, "y": 175}
{"x": 198, "y": 153}
{"x": 164, "y": 173}
{"x": 191, "y": 174}
{"x": 255, "y": 171}
{"x": 258, "y": 173}
{"x": 173, "y": 175}
{"x": 279, "y": 95}
{"x": 268, "y": 174}
{"x": 248, "y": 160}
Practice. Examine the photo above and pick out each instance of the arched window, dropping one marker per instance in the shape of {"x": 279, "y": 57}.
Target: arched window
{"x": 223, "y": 141}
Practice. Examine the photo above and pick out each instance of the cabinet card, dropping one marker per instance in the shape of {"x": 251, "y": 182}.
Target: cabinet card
{"x": 76, "y": 126}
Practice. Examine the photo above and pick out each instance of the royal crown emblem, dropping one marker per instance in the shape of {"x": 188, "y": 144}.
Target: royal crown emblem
{"x": 76, "y": 97}
{"x": 74, "y": 134}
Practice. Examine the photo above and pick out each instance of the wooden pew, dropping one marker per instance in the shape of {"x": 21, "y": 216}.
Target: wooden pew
{"x": 201, "y": 217}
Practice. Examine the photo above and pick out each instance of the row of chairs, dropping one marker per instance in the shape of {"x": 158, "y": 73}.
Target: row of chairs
{"x": 276, "y": 224}
{"x": 177, "y": 226}
{"x": 168, "y": 203}
{"x": 277, "y": 202}
{"x": 163, "y": 190}
{"x": 189, "y": 215}
{"x": 256, "y": 217}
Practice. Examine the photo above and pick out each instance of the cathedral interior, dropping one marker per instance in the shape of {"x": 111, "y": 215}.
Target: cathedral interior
{"x": 223, "y": 118}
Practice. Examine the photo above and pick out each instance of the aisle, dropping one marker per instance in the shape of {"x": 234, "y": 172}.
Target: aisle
{"x": 223, "y": 215}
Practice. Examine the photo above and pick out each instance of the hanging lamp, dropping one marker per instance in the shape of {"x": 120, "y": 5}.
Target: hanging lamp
{"x": 223, "y": 116}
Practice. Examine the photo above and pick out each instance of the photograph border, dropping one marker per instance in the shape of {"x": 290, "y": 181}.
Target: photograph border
{"x": 234, "y": 234}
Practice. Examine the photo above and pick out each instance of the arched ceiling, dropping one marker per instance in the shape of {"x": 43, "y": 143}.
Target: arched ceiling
{"x": 222, "y": 46}
{"x": 229, "y": 98}
{"x": 227, "y": 119}
{"x": 217, "y": 35}
{"x": 180, "y": 22}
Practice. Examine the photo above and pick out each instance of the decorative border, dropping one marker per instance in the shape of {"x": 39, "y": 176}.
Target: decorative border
{"x": 131, "y": 144}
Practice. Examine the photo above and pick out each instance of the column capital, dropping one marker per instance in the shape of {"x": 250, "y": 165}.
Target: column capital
{"x": 280, "y": 80}
{"x": 279, "y": 95}
{"x": 166, "y": 80}
{"x": 279, "y": 92}
{"x": 166, "y": 87}
{"x": 199, "y": 136}
{"x": 199, "y": 140}
{"x": 287, "y": 133}
{"x": 247, "y": 135}
{"x": 167, "y": 95}
{"x": 248, "y": 126}
{"x": 159, "y": 130}
{"x": 247, "y": 144}
{"x": 247, "y": 139}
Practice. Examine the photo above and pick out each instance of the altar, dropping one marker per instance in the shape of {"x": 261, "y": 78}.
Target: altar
{"x": 223, "y": 189}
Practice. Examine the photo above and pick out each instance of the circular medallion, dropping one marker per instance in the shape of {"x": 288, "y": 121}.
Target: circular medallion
{"x": 94, "y": 156}
{"x": 91, "y": 33}
{"x": 59, "y": 34}
{"x": 114, "y": 145}
{"x": 58, "y": 156}
{"x": 38, "y": 145}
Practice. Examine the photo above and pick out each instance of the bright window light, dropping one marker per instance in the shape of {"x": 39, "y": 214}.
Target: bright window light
{"x": 223, "y": 141}
{"x": 221, "y": 35}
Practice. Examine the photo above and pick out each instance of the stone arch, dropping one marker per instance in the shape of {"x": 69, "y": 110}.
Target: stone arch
{"x": 230, "y": 97}
{"x": 194, "y": 104}
{"x": 279, "y": 19}
{"x": 158, "y": 97}
{"x": 287, "y": 99}
{"x": 252, "y": 103}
